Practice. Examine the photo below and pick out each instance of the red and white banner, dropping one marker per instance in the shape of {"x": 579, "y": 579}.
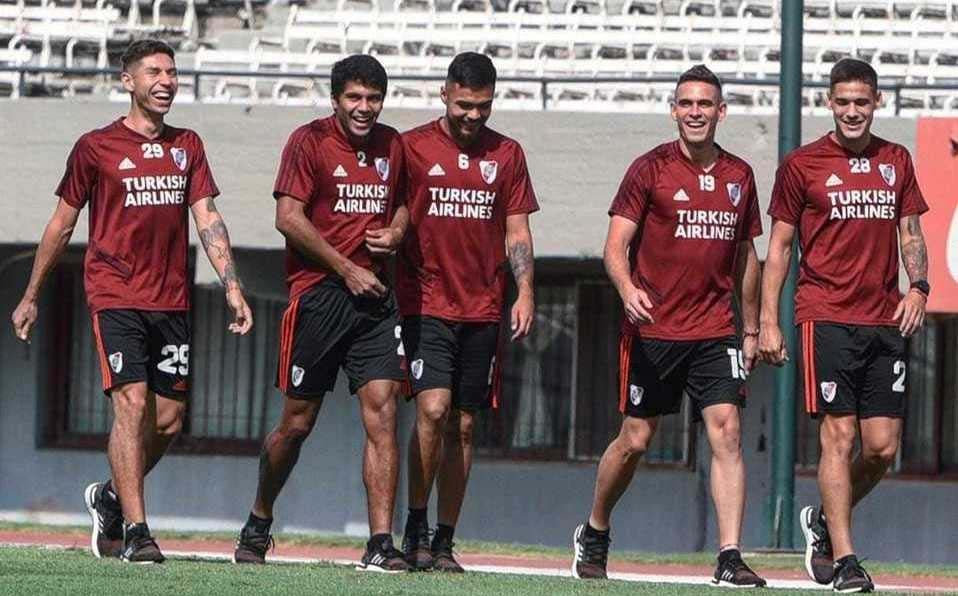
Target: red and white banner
{"x": 936, "y": 163}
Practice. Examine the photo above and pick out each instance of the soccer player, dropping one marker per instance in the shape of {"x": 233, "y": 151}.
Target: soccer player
{"x": 853, "y": 199}
{"x": 469, "y": 197}
{"x": 680, "y": 243}
{"x": 139, "y": 176}
{"x": 337, "y": 205}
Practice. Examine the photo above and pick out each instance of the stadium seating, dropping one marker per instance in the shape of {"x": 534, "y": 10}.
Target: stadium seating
{"x": 10, "y": 81}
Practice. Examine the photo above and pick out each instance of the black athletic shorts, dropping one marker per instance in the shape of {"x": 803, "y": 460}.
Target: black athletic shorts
{"x": 654, "y": 374}
{"x": 852, "y": 369}
{"x": 328, "y": 328}
{"x": 454, "y": 355}
{"x": 144, "y": 346}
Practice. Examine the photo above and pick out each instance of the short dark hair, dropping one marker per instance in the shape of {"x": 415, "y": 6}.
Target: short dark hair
{"x": 851, "y": 69}
{"x": 473, "y": 70}
{"x": 358, "y": 68}
{"x": 703, "y": 74}
{"x": 142, "y": 48}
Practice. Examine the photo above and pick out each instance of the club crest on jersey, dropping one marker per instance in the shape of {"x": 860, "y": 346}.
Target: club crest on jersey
{"x": 179, "y": 157}
{"x": 887, "y": 173}
{"x": 489, "y": 169}
{"x": 297, "y": 376}
{"x": 382, "y": 167}
{"x": 416, "y": 369}
{"x": 635, "y": 394}
{"x": 116, "y": 362}
{"x": 829, "y": 389}
{"x": 734, "y": 192}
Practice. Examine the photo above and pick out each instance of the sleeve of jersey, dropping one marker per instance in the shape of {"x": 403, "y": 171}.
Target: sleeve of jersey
{"x": 78, "y": 180}
{"x": 632, "y": 198}
{"x": 912, "y": 201}
{"x": 402, "y": 180}
{"x": 788, "y": 194}
{"x": 297, "y": 173}
{"x": 522, "y": 198}
{"x": 753, "y": 224}
{"x": 202, "y": 184}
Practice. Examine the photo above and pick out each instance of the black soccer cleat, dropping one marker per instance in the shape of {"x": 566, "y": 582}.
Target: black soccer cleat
{"x": 252, "y": 545}
{"x": 734, "y": 573}
{"x": 139, "y": 546}
{"x": 819, "y": 562}
{"x": 106, "y": 536}
{"x": 415, "y": 546}
{"x": 384, "y": 558}
{"x": 851, "y": 577}
{"x": 442, "y": 558}
{"x": 591, "y": 554}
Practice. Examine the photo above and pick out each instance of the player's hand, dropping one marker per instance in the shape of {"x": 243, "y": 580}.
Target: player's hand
{"x": 771, "y": 345}
{"x": 749, "y": 352}
{"x": 363, "y": 282}
{"x": 523, "y": 315}
{"x": 383, "y": 241}
{"x": 911, "y": 312}
{"x": 638, "y": 307}
{"x": 242, "y": 315}
{"x": 23, "y": 318}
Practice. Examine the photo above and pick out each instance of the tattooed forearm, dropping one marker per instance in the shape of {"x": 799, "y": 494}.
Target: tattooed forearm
{"x": 216, "y": 242}
{"x": 914, "y": 254}
{"x": 520, "y": 258}
{"x": 211, "y": 205}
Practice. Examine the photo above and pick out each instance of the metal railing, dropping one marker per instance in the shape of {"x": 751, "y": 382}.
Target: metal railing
{"x": 544, "y": 82}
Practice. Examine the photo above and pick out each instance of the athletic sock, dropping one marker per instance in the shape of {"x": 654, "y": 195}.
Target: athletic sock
{"x": 376, "y": 541}
{"x": 417, "y": 516}
{"x": 593, "y": 533}
{"x": 728, "y": 554}
{"x": 131, "y": 531}
{"x": 444, "y": 533}
{"x": 260, "y": 524}
{"x": 846, "y": 559}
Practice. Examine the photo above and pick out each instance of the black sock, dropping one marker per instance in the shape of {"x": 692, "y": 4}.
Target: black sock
{"x": 845, "y": 560}
{"x": 444, "y": 533}
{"x": 131, "y": 531}
{"x": 260, "y": 524}
{"x": 417, "y": 516}
{"x": 729, "y": 554}
{"x": 593, "y": 533}
{"x": 377, "y": 541}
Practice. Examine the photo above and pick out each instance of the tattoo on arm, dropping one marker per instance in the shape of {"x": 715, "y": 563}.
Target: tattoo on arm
{"x": 520, "y": 258}
{"x": 913, "y": 251}
{"x": 216, "y": 242}
{"x": 210, "y": 205}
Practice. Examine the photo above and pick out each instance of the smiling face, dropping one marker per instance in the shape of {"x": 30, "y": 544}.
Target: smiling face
{"x": 853, "y": 105}
{"x": 697, "y": 109}
{"x": 467, "y": 110}
{"x": 152, "y": 83}
{"x": 357, "y": 108}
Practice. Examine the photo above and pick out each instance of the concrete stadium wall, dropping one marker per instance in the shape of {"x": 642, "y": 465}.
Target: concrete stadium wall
{"x": 576, "y": 161}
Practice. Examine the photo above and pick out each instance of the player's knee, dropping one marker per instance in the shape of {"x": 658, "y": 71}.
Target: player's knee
{"x": 129, "y": 401}
{"x": 170, "y": 422}
{"x": 634, "y": 443}
{"x": 433, "y": 414}
{"x": 880, "y": 455}
{"x": 294, "y": 429}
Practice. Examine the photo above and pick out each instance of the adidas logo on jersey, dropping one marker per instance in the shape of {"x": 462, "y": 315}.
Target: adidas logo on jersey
{"x": 680, "y": 195}
{"x": 340, "y": 172}
{"x": 437, "y": 170}
{"x": 833, "y": 180}
{"x": 127, "y": 164}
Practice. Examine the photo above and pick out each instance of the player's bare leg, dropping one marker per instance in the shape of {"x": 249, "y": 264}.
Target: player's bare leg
{"x": 425, "y": 444}
{"x": 132, "y": 404}
{"x": 455, "y": 466}
{"x": 617, "y": 467}
{"x": 281, "y": 451}
{"x": 880, "y": 439}
{"x": 166, "y": 422}
{"x": 381, "y": 452}
{"x": 837, "y": 437}
{"x": 722, "y": 424}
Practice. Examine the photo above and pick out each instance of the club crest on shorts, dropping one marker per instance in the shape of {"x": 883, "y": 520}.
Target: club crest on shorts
{"x": 635, "y": 394}
{"x": 734, "y": 192}
{"x": 179, "y": 157}
{"x": 116, "y": 362}
{"x": 416, "y": 369}
{"x": 489, "y": 169}
{"x": 888, "y": 173}
{"x": 297, "y": 375}
{"x": 382, "y": 167}
{"x": 829, "y": 389}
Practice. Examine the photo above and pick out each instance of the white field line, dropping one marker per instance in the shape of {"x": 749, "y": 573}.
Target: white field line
{"x": 649, "y": 578}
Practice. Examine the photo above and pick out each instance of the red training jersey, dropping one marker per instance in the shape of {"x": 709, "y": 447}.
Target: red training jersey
{"x": 846, "y": 207}
{"x": 347, "y": 190}
{"x": 453, "y": 259}
{"x": 690, "y": 225}
{"x": 139, "y": 191}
